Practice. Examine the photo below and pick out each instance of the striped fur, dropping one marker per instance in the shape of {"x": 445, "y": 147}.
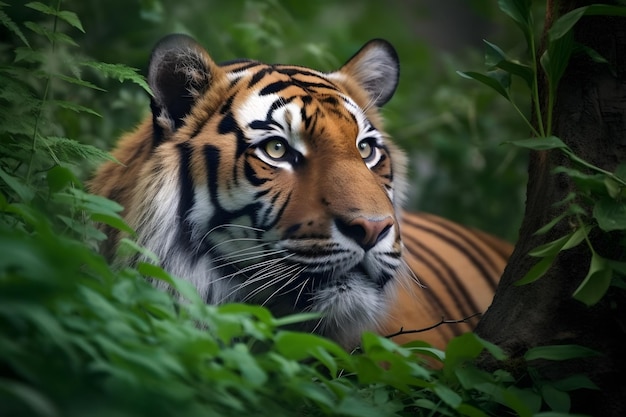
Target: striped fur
{"x": 458, "y": 269}
{"x": 276, "y": 185}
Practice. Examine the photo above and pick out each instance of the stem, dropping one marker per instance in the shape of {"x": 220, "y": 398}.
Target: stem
{"x": 551, "y": 94}
{"x": 581, "y": 224}
{"x": 43, "y": 101}
{"x": 530, "y": 125}
{"x": 535, "y": 88}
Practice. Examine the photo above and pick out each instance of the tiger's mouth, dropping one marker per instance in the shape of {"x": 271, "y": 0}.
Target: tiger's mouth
{"x": 352, "y": 298}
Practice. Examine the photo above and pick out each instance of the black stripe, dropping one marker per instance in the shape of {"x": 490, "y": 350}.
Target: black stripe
{"x": 297, "y": 71}
{"x": 228, "y": 125}
{"x": 464, "y": 245}
{"x": 455, "y": 286}
{"x": 212, "y": 159}
{"x": 280, "y": 211}
{"x": 186, "y": 190}
{"x": 275, "y": 87}
{"x": 251, "y": 175}
{"x": 258, "y": 76}
{"x": 434, "y": 300}
{"x": 246, "y": 64}
{"x": 468, "y": 235}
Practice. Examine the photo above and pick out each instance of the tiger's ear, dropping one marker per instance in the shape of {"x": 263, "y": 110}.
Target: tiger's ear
{"x": 376, "y": 68}
{"x": 180, "y": 72}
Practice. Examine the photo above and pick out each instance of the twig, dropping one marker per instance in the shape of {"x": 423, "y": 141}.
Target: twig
{"x": 442, "y": 321}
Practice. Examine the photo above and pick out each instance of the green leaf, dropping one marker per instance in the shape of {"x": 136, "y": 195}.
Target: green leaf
{"x": 551, "y": 224}
{"x": 296, "y": 318}
{"x": 559, "y": 352}
{"x": 77, "y": 81}
{"x": 299, "y": 346}
{"x": 53, "y": 37}
{"x": 591, "y": 53}
{"x": 23, "y": 191}
{"x": 461, "y": 349}
{"x": 555, "y": 59}
{"x": 575, "y": 382}
{"x": 127, "y": 248}
{"x": 563, "y": 243}
{"x": 520, "y": 12}
{"x": 69, "y": 17}
{"x": 114, "y": 221}
{"x": 577, "y": 237}
{"x": 74, "y": 107}
{"x": 29, "y": 55}
{"x": 493, "y": 54}
{"x": 495, "y": 57}
{"x": 72, "y": 19}
{"x": 584, "y": 181}
{"x": 448, "y": 396}
{"x": 35, "y": 401}
{"x": 58, "y": 177}
{"x": 610, "y": 214}
{"x": 470, "y": 411}
{"x": 563, "y": 25}
{"x": 120, "y": 72}
{"x": 540, "y": 144}
{"x": 597, "y": 281}
{"x": 557, "y": 400}
{"x": 490, "y": 82}
{"x": 6, "y": 21}
{"x": 240, "y": 358}
{"x": 40, "y": 7}
{"x": 70, "y": 149}
{"x": 537, "y": 271}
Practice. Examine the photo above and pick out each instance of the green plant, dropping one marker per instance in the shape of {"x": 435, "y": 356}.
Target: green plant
{"x": 81, "y": 337}
{"x": 599, "y": 202}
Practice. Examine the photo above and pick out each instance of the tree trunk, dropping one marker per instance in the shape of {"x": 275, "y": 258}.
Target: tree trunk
{"x": 590, "y": 117}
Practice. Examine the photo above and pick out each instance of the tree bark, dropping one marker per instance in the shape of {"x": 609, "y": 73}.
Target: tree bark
{"x": 590, "y": 117}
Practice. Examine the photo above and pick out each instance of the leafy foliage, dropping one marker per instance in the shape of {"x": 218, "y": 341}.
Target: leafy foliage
{"x": 598, "y": 202}
{"x": 80, "y": 337}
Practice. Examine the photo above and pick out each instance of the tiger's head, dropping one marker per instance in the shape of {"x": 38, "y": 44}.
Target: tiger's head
{"x": 269, "y": 184}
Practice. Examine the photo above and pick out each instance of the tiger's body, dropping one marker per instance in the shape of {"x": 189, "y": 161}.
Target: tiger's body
{"x": 276, "y": 185}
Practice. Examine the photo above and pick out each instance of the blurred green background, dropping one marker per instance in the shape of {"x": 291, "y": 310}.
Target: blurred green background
{"x": 452, "y": 128}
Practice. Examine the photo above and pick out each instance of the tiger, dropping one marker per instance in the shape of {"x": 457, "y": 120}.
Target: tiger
{"x": 276, "y": 185}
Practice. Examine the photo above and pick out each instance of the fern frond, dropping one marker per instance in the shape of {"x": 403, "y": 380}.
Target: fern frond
{"x": 24, "y": 54}
{"x": 69, "y": 17}
{"x": 77, "y": 81}
{"x": 53, "y": 37}
{"x": 65, "y": 149}
{"x": 6, "y": 21}
{"x": 74, "y": 107}
{"x": 21, "y": 189}
{"x": 120, "y": 72}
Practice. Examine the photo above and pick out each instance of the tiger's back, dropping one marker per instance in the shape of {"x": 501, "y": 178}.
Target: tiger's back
{"x": 277, "y": 185}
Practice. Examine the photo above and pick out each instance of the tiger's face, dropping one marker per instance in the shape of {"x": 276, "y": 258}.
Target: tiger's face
{"x": 274, "y": 184}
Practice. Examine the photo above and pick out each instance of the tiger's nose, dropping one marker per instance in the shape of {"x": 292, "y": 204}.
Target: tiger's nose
{"x": 367, "y": 233}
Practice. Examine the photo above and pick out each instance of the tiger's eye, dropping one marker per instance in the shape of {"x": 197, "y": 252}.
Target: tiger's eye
{"x": 365, "y": 149}
{"x": 276, "y": 149}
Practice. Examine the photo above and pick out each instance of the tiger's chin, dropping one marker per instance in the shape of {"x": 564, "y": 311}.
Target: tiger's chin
{"x": 349, "y": 304}
{"x": 351, "y": 307}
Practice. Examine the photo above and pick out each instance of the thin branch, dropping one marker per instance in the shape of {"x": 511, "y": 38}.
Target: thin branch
{"x": 442, "y": 321}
